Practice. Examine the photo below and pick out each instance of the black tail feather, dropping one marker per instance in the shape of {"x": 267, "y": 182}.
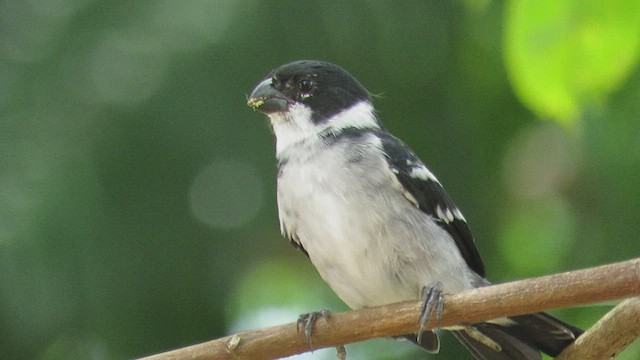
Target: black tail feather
{"x": 429, "y": 341}
{"x": 545, "y": 332}
{"x": 511, "y": 348}
{"x": 522, "y": 339}
{"x": 519, "y": 338}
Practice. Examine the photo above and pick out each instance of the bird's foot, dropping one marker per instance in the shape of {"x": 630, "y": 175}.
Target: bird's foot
{"x": 342, "y": 352}
{"x": 307, "y": 320}
{"x": 432, "y": 299}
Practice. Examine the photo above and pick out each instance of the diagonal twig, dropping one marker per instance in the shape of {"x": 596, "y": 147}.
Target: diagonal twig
{"x": 608, "y": 282}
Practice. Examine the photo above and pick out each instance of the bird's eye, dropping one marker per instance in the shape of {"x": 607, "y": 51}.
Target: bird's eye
{"x": 305, "y": 86}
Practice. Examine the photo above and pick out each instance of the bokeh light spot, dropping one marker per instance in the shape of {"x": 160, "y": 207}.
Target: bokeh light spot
{"x": 31, "y": 30}
{"x": 540, "y": 161}
{"x": 227, "y": 193}
{"x": 536, "y": 238}
{"x": 192, "y": 25}
{"x": 275, "y": 292}
{"x": 126, "y": 68}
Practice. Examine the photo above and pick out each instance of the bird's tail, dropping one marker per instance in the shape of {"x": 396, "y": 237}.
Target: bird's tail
{"x": 521, "y": 338}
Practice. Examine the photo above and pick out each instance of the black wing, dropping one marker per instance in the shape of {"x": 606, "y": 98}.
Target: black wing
{"x": 425, "y": 192}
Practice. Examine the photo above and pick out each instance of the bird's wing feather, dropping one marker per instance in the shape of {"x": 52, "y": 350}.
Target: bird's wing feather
{"x": 425, "y": 192}
{"x": 286, "y": 229}
{"x": 293, "y": 238}
{"x": 291, "y": 235}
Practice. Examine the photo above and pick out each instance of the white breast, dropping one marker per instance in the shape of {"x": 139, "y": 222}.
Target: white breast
{"x": 367, "y": 241}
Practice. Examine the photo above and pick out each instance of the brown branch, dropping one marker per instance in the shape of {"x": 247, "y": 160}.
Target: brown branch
{"x": 603, "y": 283}
{"x": 609, "y": 336}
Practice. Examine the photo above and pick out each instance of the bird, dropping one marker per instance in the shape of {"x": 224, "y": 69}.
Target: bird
{"x": 375, "y": 222}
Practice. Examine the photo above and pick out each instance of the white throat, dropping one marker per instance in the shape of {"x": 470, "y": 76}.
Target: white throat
{"x": 295, "y": 126}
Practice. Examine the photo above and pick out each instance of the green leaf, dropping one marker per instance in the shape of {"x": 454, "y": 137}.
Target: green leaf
{"x": 563, "y": 55}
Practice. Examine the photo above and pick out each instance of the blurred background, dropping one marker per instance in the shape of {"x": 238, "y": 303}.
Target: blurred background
{"x": 137, "y": 190}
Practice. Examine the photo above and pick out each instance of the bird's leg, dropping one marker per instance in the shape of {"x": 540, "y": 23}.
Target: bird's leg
{"x": 342, "y": 352}
{"x": 307, "y": 320}
{"x": 432, "y": 298}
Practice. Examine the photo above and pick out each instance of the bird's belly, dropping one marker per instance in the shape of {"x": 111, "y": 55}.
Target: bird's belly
{"x": 374, "y": 248}
{"x": 351, "y": 259}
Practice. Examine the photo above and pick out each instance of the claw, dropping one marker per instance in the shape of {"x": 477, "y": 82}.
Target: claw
{"x": 432, "y": 296}
{"x": 307, "y": 320}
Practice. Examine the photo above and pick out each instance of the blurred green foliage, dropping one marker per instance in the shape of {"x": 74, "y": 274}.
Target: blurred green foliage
{"x": 563, "y": 55}
{"x": 137, "y": 190}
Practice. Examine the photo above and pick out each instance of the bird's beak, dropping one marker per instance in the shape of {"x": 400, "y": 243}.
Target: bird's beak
{"x": 267, "y": 99}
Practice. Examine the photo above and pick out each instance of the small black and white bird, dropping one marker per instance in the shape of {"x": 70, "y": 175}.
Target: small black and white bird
{"x": 375, "y": 222}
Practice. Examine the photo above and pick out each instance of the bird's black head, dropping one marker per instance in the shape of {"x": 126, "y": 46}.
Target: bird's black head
{"x": 324, "y": 88}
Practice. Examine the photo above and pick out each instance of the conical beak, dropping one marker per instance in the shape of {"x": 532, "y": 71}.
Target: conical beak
{"x": 267, "y": 99}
